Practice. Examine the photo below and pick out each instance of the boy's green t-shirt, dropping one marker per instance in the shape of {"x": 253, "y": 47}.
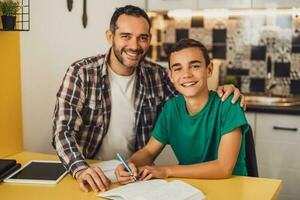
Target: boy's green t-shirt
{"x": 195, "y": 139}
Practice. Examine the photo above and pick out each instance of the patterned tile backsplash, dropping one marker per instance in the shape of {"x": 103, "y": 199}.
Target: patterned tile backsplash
{"x": 260, "y": 54}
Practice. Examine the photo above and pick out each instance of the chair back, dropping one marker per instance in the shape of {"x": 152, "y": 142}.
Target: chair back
{"x": 251, "y": 161}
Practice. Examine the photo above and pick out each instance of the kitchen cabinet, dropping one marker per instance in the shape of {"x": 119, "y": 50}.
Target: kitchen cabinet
{"x": 251, "y": 120}
{"x": 275, "y": 3}
{"x": 171, "y": 4}
{"x": 224, "y": 4}
{"x": 277, "y": 149}
{"x": 196, "y": 4}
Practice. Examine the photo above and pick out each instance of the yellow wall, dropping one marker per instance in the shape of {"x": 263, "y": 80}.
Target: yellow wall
{"x": 11, "y": 140}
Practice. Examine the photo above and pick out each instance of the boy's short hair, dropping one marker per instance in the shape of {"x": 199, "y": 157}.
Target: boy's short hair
{"x": 127, "y": 10}
{"x": 190, "y": 43}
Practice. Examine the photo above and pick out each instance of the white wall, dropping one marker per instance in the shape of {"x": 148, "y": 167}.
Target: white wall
{"x": 55, "y": 40}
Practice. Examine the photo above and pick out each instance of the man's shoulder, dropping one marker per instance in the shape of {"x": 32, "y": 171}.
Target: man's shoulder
{"x": 87, "y": 63}
{"x": 152, "y": 67}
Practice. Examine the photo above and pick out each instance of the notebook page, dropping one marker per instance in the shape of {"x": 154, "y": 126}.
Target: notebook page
{"x": 108, "y": 168}
{"x": 131, "y": 191}
{"x": 175, "y": 190}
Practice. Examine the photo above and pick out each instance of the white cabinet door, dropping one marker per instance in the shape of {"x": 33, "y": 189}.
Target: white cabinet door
{"x": 224, "y": 4}
{"x": 275, "y": 3}
{"x": 278, "y": 149}
{"x": 171, "y": 4}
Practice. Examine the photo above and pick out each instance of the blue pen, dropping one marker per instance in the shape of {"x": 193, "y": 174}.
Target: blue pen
{"x": 126, "y": 166}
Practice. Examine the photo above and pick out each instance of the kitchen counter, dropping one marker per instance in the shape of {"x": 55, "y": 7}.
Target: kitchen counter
{"x": 289, "y": 110}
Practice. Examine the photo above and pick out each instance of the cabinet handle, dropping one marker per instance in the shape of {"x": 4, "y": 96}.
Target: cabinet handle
{"x": 284, "y": 128}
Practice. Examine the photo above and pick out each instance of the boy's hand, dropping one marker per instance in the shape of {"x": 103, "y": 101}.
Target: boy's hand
{"x": 123, "y": 176}
{"x": 225, "y": 90}
{"x": 93, "y": 177}
{"x": 149, "y": 172}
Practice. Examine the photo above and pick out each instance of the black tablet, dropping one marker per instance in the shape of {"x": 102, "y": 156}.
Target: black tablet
{"x": 38, "y": 171}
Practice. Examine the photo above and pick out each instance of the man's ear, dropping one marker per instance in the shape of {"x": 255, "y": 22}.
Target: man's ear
{"x": 150, "y": 37}
{"x": 210, "y": 69}
{"x": 109, "y": 36}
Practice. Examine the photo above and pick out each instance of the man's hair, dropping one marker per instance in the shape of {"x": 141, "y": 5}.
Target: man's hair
{"x": 127, "y": 10}
{"x": 190, "y": 43}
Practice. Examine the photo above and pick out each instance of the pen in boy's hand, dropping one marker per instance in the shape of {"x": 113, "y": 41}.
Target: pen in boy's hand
{"x": 126, "y": 166}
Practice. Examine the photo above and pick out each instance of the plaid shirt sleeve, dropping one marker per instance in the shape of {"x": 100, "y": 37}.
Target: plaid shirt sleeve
{"x": 67, "y": 121}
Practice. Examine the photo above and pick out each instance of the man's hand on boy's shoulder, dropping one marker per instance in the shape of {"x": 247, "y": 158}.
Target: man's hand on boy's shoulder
{"x": 225, "y": 90}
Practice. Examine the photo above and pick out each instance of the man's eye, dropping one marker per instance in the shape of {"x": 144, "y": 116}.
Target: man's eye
{"x": 125, "y": 36}
{"x": 196, "y": 66}
{"x": 144, "y": 39}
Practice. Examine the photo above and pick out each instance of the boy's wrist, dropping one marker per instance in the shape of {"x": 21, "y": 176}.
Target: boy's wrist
{"x": 168, "y": 171}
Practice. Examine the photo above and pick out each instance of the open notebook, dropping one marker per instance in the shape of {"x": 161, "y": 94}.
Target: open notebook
{"x": 155, "y": 189}
{"x": 108, "y": 168}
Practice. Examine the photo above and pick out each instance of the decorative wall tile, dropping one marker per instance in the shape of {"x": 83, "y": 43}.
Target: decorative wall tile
{"x": 295, "y": 61}
{"x": 294, "y": 87}
{"x": 183, "y": 22}
{"x": 219, "y": 36}
{"x": 258, "y": 69}
{"x": 295, "y": 74}
{"x": 215, "y": 22}
{"x": 296, "y": 25}
{"x": 197, "y": 21}
{"x": 170, "y": 35}
{"x": 282, "y": 69}
{"x": 203, "y": 35}
{"x": 282, "y": 87}
{"x": 246, "y": 64}
{"x": 219, "y": 51}
{"x": 257, "y": 84}
{"x": 245, "y": 84}
{"x": 258, "y": 52}
{"x": 181, "y": 34}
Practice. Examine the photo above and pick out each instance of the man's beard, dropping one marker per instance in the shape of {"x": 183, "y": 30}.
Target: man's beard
{"x": 118, "y": 55}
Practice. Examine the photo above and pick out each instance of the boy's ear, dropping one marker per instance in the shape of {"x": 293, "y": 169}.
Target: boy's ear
{"x": 170, "y": 75}
{"x": 109, "y": 36}
{"x": 210, "y": 69}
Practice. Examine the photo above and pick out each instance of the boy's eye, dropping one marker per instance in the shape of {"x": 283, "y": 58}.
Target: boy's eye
{"x": 176, "y": 69}
{"x": 196, "y": 66}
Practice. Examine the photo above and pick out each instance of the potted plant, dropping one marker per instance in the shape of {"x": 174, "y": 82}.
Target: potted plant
{"x": 9, "y": 9}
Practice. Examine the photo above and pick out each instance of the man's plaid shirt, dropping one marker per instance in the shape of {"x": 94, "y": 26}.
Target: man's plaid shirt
{"x": 83, "y": 108}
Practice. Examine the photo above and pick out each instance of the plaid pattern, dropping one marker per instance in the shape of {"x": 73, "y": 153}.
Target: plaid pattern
{"x": 83, "y": 107}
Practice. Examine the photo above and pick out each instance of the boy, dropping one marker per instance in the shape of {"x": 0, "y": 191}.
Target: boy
{"x": 206, "y": 134}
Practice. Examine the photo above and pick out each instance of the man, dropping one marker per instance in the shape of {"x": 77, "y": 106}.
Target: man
{"x": 206, "y": 134}
{"x": 109, "y": 103}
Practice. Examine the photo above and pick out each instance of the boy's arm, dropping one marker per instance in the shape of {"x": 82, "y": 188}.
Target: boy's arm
{"x": 221, "y": 168}
{"x": 147, "y": 155}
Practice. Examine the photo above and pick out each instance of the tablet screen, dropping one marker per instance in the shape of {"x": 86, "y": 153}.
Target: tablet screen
{"x": 39, "y": 172}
